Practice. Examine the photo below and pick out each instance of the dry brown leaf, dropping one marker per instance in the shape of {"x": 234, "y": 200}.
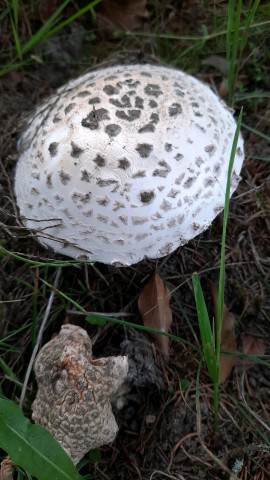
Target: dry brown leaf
{"x": 251, "y": 346}
{"x": 223, "y": 89}
{"x": 218, "y": 62}
{"x": 125, "y": 14}
{"x": 154, "y": 306}
{"x": 228, "y": 344}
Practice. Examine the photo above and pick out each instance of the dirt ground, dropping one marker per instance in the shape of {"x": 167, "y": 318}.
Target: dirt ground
{"x": 167, "y": 422}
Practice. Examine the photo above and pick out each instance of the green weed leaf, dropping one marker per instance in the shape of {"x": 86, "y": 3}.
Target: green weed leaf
{"x": 32, "y": 447}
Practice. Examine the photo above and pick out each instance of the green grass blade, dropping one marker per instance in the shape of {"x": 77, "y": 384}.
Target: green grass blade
{"x": 14, "y": 17}
{"x": 94, "y": 317}
{"x": 71, "y": 19}
{"x": 207, "y": 336}
{"x": 224, "y": 231}
{"x": 257, "y": 132}
{"x": 249, "y": 20}
{"x": 257, "y": 95}
{"x": 229, "y": 33}
{"x": 188, "y": 38}
{"x": 17, "y": 42}
{"x": 49, "y": 28}
{"x": 40, "y": 35}
{"x": 232, "y": 43}
{"x": 211, "y": 342}
{"x": 261, "y": 159}
{"x": 15, "y": 10}
{"x": 10, "y": 68}
{"x": 236, "y": 40}
{"x": 90, "y": 318}
{"x": 8, "y": 372}
{"x": 64, "y": 263}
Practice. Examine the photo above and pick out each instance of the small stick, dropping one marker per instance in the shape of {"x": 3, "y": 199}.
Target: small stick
{"x": 39, "y": 337}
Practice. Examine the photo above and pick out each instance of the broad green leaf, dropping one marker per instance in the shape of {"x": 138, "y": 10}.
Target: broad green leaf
{"x": 32, "y": 447}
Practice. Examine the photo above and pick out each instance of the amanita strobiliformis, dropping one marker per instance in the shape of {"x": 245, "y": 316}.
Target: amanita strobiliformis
{"x": 124, "y": 163}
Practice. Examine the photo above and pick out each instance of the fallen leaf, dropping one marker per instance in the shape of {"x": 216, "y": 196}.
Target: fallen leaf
{"x": 124, "y": 14}
{"x": 223, "y": 89}
{"x": 251, "y": 346}
{"x": 218, "y": 62}
{"x": 154, "y": 306}
{"x": 228, "y": 343}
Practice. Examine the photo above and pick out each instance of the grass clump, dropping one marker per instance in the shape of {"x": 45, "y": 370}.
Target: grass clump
{"x": 20, "y": 51}
{"x": 236, "y": 41}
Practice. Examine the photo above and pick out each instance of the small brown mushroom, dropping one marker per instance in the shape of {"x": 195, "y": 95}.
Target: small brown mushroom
{"x": 74, "y": 392}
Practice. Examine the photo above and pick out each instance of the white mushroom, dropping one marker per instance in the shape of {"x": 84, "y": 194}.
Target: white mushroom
{"x": 124, "y": 163}
{"x": 75, "y": 391}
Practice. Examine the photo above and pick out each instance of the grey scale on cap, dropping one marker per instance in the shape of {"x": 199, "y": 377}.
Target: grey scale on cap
{"x": 124, "y": 163}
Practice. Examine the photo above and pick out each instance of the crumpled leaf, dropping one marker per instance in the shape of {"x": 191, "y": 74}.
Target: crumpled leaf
{"x": 124, "y": 14}
{"x": 154, "y": 306}
{"x": 32, "y": 447}
{"x": 251, "y": 346}
{"x": 228, "y": 343}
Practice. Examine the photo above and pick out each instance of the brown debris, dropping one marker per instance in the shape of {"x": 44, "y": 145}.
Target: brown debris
{"x": 123, "y": 14}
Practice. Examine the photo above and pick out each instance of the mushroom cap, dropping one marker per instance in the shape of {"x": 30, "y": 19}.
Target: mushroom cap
{"x": 75, "y": 391}
{"x": 124, "y": 163}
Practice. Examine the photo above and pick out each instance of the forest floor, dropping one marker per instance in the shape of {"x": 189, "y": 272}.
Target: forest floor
{"x": 167, "y": 424}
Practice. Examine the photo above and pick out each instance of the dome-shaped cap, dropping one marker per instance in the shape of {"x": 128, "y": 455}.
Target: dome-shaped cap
{"x": 124, "y": 163}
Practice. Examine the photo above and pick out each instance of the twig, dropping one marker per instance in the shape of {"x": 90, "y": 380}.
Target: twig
{"x": 39, "y": 337}
{"x": 166, "y": 475}
{"x": 179, "y": 444}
